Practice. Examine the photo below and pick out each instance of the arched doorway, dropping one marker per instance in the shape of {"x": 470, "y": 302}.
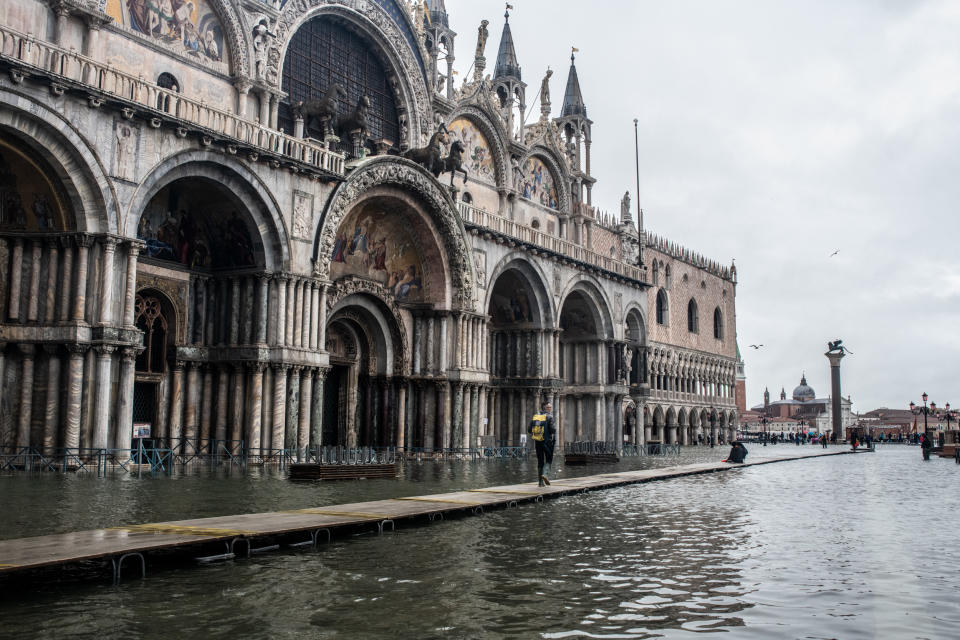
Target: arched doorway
{"x": 521, "y": 359}
{"x": 585, "y": 364}
{"x": 155, "y": 317}
{"x": 361, "y": 390}
{"x": 208, "y": 244}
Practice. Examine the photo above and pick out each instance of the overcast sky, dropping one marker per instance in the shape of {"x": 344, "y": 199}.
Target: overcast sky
{"x": 777, "y": 133}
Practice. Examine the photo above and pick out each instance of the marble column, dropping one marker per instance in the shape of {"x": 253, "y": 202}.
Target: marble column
{"x": 298, "y": 314}
{"x": 263, "y": 302}
{"x": 223, "y": 404}
{"x": 206, "y": 410}
{"x": 474, "y": 416}
{"x": 254, "y": 424}
{"x": 314, "y": 315}
{"x": 401, "y": 414}
{"x": 293, "y": 410}
{"x": 316, "y": 405}
{"x": 176, "y": 406}
{"x": 234, "y": 311}
{"x": 303, "y": 431}
{"x": 26, "y": 395}
{"x": 431, "y": 358}
{"x": 578, "y": 400}
{"x": 53, "y": 283}
{"x": 130, "y": 292}
{"x": 123, "y": 433}
{"x": 80, "y": 297}
{"x": 71, "y": 427}
{"x": 33, "y": 295}
{"x": 66, "y": 281}
{"x": 442, "y": 425}
{"x": 443, "y": 344}
{"x": 322, "y": 320}
{"x": 457, "y": 424}
{"x": 101, "y": 417}
{"x": 493, "y": 415}
{"x": 279, "y": 405}
{"x": 51, "y": 418}
{"x": 193, "y": 403}
{"x": 15, "y": 278}
{"x": 236, "y": 415}
{"x": 417, "y": 338}
{"x": 280, "y": 286}
{"x": 106, "y": 281}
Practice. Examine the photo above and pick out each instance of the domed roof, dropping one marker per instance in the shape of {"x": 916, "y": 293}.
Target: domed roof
{"x": 804, "y": 392}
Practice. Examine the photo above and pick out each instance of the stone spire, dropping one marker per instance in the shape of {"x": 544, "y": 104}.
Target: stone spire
{"x": 572, "y": 99}
{"x": 507, "y": 64}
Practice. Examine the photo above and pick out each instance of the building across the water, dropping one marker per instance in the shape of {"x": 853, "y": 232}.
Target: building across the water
{"x": 804, "y": 405}
{"x": 283, "y": 224}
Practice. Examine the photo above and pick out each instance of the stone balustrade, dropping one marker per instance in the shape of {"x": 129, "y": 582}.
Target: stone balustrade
{"x": 499, "y": 224}
{"x": 28, "y": 51}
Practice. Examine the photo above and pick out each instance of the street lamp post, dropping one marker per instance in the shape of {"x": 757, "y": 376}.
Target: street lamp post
{"x": 948, "y": 416}
{"x": 925, "y": 410}
{"x": 713, "y": 428}
{"x": 802, "y": 424}
{"x": 763, "y": 421}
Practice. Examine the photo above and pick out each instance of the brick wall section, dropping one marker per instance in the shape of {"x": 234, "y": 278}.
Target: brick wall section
{"x": 709, "y": 290}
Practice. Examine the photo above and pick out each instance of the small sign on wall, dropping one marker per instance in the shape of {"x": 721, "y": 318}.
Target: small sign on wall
{"x": 141, "y": 429}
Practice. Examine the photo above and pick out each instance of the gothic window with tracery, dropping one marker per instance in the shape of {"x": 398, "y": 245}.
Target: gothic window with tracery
{"x": 150, "y": 319}
{"x": 323, "y": 53}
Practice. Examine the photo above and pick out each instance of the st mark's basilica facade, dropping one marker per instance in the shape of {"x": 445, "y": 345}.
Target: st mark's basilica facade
{"x": 281, "y": 225}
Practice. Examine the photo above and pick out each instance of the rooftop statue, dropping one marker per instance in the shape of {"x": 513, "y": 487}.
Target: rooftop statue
{"x": 482, "y": 34}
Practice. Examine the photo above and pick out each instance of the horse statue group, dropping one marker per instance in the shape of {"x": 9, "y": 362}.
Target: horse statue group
{"x": 432, "y": 159}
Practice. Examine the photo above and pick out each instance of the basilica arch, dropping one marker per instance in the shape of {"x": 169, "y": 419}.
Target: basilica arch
{"x": 418, "y": 196}
{"x": 37, "y": 130}
{"x": 402, "y": 58}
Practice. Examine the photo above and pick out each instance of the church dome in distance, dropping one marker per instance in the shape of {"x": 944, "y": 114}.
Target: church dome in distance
{"x": 804, "y": 392}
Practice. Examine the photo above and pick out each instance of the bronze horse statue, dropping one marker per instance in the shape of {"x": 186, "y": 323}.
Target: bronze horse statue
{"x": 355, "y": 120}
{"x": 323, "y": 111}
{"x": 452, "y": 163}
{"x": 429, "y": 157}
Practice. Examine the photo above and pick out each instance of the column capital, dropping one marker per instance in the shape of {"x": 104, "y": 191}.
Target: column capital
{"x": 26, "y": 348}
{"x": 49, "y": 349}
{"x": 297, "y": 368}
{"x": 258, "y": 366}
{"x": 83, "y": 240}
{"x": 308, "y": 372}
{"x": 281, "y": 366}
{"x": 109, "y": 244}
{"x": 77, "y": 349}
{"x": 322, "y": 373}
{"x": 129, "y": 354}
{"x": 104, "y": 351}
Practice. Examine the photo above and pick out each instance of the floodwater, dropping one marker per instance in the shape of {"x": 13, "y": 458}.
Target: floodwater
{"x": 842, "y": 547}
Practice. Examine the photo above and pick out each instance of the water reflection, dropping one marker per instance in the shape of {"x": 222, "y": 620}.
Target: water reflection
{"x": 821, "y": 548}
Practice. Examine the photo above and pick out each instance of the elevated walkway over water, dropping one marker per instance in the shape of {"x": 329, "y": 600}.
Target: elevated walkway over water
{"x": 305, "y": 527}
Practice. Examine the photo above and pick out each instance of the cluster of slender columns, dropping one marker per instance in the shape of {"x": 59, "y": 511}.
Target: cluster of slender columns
{"x": 74, "y": 392}
{"x": 266, "y": 407}
{"x": 524, "y": 353}
{"x": 258, "y": 309}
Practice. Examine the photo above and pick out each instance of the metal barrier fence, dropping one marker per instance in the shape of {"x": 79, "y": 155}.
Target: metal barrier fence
{"x": 623, "y": 450}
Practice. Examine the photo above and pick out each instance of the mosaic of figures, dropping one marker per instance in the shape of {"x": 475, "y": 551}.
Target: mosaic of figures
{"x": 374, "y": 244}
{"x": 195, "y": 228}
{"x": 190, "y": 27}
{"x": 476, "y": 155}
{"x": 537, "y": 183}
{"x": 28, "y": 200}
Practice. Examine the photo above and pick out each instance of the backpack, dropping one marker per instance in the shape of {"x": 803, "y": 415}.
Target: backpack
{"x": 539, "y": 424}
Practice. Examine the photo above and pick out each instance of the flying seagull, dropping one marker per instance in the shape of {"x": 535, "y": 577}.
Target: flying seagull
{"x": 835, "y": 253}
{"x": 756, "y": 346}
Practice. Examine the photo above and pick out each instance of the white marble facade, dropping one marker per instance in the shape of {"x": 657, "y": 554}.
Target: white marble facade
{"x": 180, "y": 250}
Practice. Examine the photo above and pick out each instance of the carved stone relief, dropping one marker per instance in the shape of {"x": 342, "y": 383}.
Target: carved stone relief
{"x": 302, "y": 214}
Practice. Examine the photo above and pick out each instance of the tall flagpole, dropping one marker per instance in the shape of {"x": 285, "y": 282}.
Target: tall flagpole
{"x": 636, "y": 152}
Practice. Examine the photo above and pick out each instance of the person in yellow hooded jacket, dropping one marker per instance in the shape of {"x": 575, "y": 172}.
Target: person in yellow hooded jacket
{"x": 543, "y": 432}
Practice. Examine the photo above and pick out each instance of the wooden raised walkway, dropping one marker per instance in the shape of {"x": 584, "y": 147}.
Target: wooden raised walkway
{"x": 132, "y": 541}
